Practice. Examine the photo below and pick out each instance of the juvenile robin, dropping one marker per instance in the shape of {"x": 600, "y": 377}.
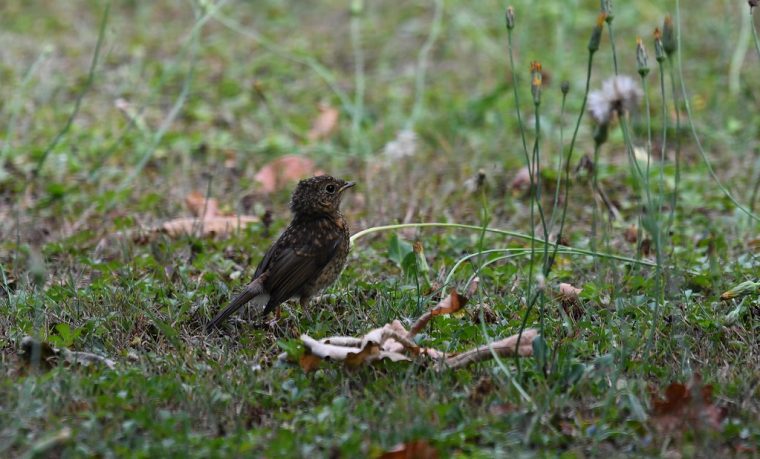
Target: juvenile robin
{"x": 308, "y": 256}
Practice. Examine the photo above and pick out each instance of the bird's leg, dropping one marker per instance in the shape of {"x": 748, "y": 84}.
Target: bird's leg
{"x": 304, "y": 302}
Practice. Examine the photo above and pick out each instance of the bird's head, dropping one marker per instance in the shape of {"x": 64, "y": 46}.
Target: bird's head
{"x": 318, "y": 195}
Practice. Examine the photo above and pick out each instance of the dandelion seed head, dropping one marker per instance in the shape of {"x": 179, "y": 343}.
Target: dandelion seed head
{"x": 619, "y": 94}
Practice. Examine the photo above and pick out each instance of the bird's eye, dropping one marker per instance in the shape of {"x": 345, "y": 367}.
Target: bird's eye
{"x": 330, "y": 188}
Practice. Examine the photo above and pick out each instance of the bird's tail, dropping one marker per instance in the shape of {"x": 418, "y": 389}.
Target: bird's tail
{"x": 250, "y": 292}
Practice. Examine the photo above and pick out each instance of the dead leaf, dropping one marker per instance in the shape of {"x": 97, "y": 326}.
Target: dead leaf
{"x": 521, "y": 181}
{"x": 686, "y": 407}
{"x": 503, "y": 348}
{"x": 309, "y": 362}
{"x": 325, "y": 123}
{"x": 216, "y": 226}
{"x": 646, "y": 247}
{"x": 452, "y": 303}
{"x": 473, "y": 287}
{"x": 393, "y": 342}
{"x": 199, "y": 206}
{"x": 368, "y": 353}
{"x": 481, "y": 390}
{"x": 284, "y": 170}
{"x": 208, "y": 221}
{"x": 631, "y": 234}
{"x": 485, "y": 311}
{"x": 416, "y": 449}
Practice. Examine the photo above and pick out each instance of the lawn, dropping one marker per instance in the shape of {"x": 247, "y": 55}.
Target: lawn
{"x": 116, "y": 118}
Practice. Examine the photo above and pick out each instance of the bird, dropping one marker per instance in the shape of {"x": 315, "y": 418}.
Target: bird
{"x": 307, "y": 257}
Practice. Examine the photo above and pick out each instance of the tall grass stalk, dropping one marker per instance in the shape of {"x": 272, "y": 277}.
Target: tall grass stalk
{"x": 537, "y": 197}
{"x": 357, "y": 12}
{"x": 502, "y": 232}
{"x": 422, "y": 64}
{"x": 16, "y": 103}
{"x": 85, "y": 89}
{"x": 558, "y": 184}
{"x": 677, "y": 133}
{"x": 755, "y": 38}
{"x": 521, "y": 126}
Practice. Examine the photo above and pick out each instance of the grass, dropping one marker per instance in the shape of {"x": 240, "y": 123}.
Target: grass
{"x": 103, "y": 133}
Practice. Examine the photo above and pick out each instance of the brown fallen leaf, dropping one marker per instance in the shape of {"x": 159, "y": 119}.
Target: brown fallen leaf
{"x": 481, "y": 390}
{"x": 686, "y": 407}
{"x": 393, "y": 342}
{"x": 631, "y": 234}
{"x": 521, "y": 181}
{"x": 503, "y": 348}
{"x": 215, "y": 226}
{"x": 201, "y": 207}
{"x": 208, "y": 220}
{"x": 415, "y": 449}
{"x": 368, "y": 353}
{"x": 452, "y": 303}
{"x": 325, "y": 123}
{"x": 284, "y": 170}
{"x": 351, "y": 355}
{"x": 309, "y": 362}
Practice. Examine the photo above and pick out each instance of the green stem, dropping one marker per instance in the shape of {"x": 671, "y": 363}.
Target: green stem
{"x": 674, "y": 199}
{"x": 553, "y": 219}
{"x": 358, "y": 111}
{"x": 612, "y": 45}
{"x": 80, "y": 96}
{"x": 597, "y": 195}
{"x": 690, "y": 117}
{"x": 377, "y": 229}
{"x": 517, "y": 104}
{"x": 570, "y": 154}
{"x": 754, "y": 30}
{"x": 16, "y": 104}
{"x": 422, "y": 64}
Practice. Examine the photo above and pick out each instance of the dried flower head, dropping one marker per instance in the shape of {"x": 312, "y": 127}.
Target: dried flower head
{"x": 510, "y": 17}
{"x": 596, "y": 34}
{"x": 641, "y": 58}
{"x": 536, "y": 80}
{"x": 669, "y": 36}
{"x": 619, "y": 94}
{"x": 564, "y": 87}
{"x": 659, "y": 50}
{"x": 606, "y": 6}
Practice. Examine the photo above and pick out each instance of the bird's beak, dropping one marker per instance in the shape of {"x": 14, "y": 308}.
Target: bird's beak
{"x": 346, "y": 186}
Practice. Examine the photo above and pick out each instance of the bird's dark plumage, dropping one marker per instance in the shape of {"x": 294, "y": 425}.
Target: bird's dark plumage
{"x": 307, "y": 257}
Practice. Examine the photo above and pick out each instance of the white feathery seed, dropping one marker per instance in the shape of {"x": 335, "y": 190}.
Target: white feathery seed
{"x": 618, "y": 94}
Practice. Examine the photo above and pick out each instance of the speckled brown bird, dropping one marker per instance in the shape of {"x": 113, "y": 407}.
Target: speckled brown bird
{"x": 307, "y": 257}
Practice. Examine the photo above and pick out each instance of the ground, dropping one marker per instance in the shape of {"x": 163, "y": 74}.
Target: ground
{"x": 199, "y": 96}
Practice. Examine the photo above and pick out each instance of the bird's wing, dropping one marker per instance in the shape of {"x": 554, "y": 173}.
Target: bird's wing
{"x": 292, "y": 265}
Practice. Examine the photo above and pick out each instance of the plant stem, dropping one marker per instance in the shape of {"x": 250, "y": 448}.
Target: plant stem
{"x": 359, "y": 80}
{"x": 377, "y": 229}
{"x": 690, "y": 117}
{"x": 422, "y": 64}
{"x": 80, "y": 96}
